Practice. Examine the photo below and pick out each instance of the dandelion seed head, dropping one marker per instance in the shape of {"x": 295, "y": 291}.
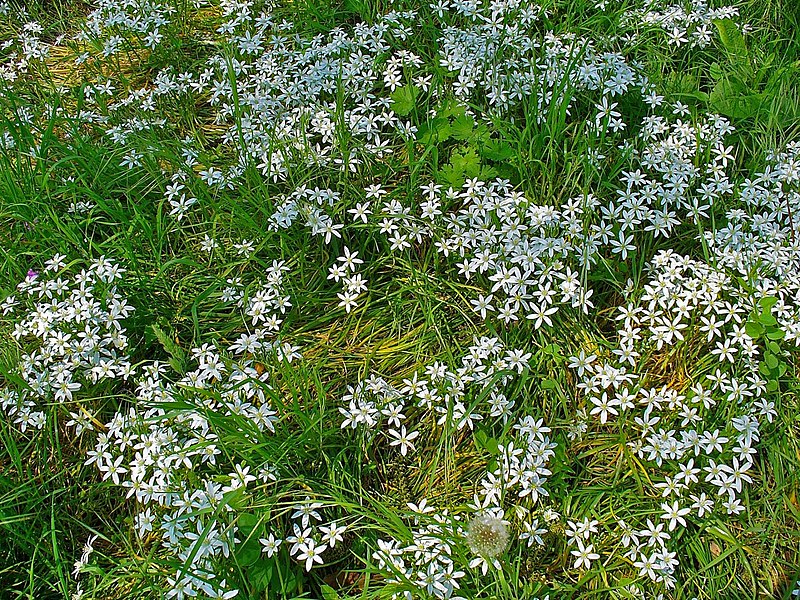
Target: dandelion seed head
{"x": 487, "y": 536}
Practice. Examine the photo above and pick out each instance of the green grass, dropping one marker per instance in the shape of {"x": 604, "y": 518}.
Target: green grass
{"x": 417, "y": 311}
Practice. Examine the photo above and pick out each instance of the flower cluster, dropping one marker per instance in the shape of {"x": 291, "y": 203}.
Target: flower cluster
{"x": 454, "y": 399}
{"x": 353, "y": 283}
{"x": 311, "y": 537}
{"x": 120, "y": 26}
{"x": 693, "y": 27}
{"x": 167, "y": 452}
{"x": 520, "y": 468}
{"x": 427, "y": 565}
{"x": 24, "y": 47}
{"x": 501, "y": 56}
{"x": 702, "y": 453}
{"x": 71, "y": 336}
{"x": 684, "y": 270}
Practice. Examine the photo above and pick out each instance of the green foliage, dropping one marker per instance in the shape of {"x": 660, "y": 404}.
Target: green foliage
{"x": 404, "y": 99}
{"x": 747, "y": 86}
{"x": 762, "y": 325}
{"x": 417, "y": 313}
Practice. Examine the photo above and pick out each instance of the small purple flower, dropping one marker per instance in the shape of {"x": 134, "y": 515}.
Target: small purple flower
{"x": 32, "y": 274}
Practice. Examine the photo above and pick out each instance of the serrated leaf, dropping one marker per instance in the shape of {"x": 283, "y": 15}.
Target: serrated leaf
{"x": 404, "y": 99}
{"x": 171, "y": 346}
{"x": 435, "y": 131}
{"x": 451, "y": 108}
{"x": 506, "y": 171}
{"x": 467, "y": 162}
{"x": 463, "y": 127}
{"x": 488, "y": 173}
{"x": 498, "y": 151}
{"x": 451, "y": 176}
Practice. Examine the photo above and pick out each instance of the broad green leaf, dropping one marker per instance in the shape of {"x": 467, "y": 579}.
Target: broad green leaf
{"x": 404, "y": 99}
{"x": 767, "y": 302}
{"x": 766, "y": 318}
{"x": 249, "y": 552}
{"x": 753, "y": 329}
{"x": 463, "y": 127}
{"x": 731, "y": 38}
{"x": 549, "y": 384}
{"x": 776, "y": 334}
{"x": 730, "y": 97}
{"x": 247, "y": 522}
{"x": 260, "y": 574}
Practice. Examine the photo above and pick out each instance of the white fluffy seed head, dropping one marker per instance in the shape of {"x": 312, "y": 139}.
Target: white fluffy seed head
{"x": 487, "y": 536}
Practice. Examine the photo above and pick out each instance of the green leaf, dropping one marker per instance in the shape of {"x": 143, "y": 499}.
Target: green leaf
{"x": 731, "y": 38}
{"x": 177, "y": 355}
{"x": 451, "y": 108}
{"x": 734, "y": 99}
{"x": 467, "y": 162}
{"x": 553, "y": 350}
{"x": 488, "y": 173}
{"x": 260, "y": 574}
{"x": 463, "y": 127}
{"x": 247, "y": 522}
{"x": 496, "y": 150}
{"x": 249, "y": 552}
{"x": 484, "y": 441}
{"x": 549, "y": 384}
{"x": 434, "y": 131}
{"x": 404, "y": 99}
{"x": 450, "y": 175}
{"x": 767, "y": 302}
{"x": 328, "y": 593}
{"x": 776, "y": 334}
{"x": 771, "y": 360}
{"x": 754, "y": 329}
{"x": 766, "y": 318}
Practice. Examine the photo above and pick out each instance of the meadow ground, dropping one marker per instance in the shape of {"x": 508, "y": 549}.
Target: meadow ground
{"x": 393, "y": 300}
